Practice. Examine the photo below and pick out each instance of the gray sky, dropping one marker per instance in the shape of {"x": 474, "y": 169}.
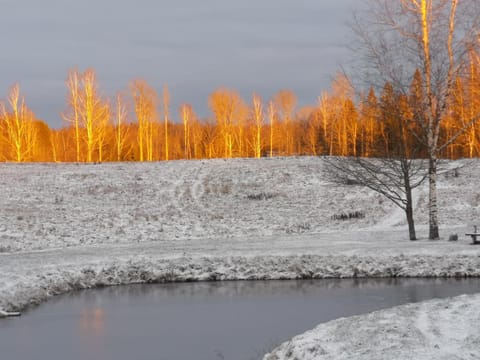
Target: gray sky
{"x": 194, "y": 46}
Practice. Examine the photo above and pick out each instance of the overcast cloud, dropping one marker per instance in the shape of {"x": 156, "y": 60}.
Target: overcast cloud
{"x": 193, "y": 46}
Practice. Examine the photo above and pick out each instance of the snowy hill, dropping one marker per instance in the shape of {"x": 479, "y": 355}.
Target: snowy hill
{"x": 60, "y": 205}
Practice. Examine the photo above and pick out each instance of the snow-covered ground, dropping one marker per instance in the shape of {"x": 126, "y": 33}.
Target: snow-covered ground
{"x": 69, "y": 226}
{"x": 436, "y": 329}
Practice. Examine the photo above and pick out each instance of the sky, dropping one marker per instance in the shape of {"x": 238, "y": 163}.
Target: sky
{"x": 195, "y": 47}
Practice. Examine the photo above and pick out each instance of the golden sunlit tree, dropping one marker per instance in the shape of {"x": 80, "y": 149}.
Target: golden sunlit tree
{"x": 145, "y": 101}
{"x": 285, "y": 103}
{"x": 313, "y": 132}
{"x": 196, "y": 134}
{"x": 121, "y": 129}
{"x": 55, "y": 141}
{"x": 396, "y": 38}
{"x": 186, "y": 114}
{"x": 166, "y": 106}
{"x": 258, "y": 119}
{"x": 272, "y": 113}
{"x": 225, "y": 104}
{"x": 88, "y": 112}
{"x": 327, "y": 115}
{"x": 344, "y": 122}
{"x": 42, "y": 151}
{"x": 209, "y": 137}
{"x": 465, "y": 105}
{"x": 94, "y": 114}
{"x": 20, "y": 130}
{"x": 72, "y": 115}
{"x": 369, "y": 119}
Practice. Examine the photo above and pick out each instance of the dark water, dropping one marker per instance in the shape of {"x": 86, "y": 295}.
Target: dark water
{"x": 200, "y": 321}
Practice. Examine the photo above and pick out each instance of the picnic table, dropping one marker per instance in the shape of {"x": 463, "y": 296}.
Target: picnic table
{"x": 474, "y": 235}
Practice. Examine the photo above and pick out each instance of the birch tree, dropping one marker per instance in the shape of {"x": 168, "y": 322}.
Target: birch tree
{"x": 20, "y": 131}
{"x": 121, "y": 130}
{"x": 186, "y": 114}
{"x": 258, "y": 118}
{"x": 285, "y": 102}
{"x": 72, "y": 115}
{"x": 466, "y": 104}
{"x": 368, "y": 110}
{"x": 145, "y": 101}
{"x": 271, "y": 119}
{"x": 166, "y": 106}
{"x": 94, "y": 114}
{"x": 225, "y": 105}
{"x": 313, "y": 132}
{"x": 88, "y": 112}
{"x": 433, "y": 37}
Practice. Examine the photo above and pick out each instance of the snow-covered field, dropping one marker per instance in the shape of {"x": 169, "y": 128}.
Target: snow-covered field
{"x": 69, "y": 226}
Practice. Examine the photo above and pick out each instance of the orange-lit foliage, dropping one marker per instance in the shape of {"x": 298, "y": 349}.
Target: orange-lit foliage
{"x": 19, "y": 128}
{"x": 258, "y": 118}
{"x": 225, "y": 105}
{"x": 145, "y": 100}
{"x": 286, "y": 101}
{"x": 128, "y": 128}
{"x": 89, "y": 115}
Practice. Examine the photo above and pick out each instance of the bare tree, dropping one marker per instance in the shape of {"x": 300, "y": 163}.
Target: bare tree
{"x": 21, "y": 133}
{"x": 72, "y": 115}
{"x": 271, "y": 118}
{"x": 396, "y": 175}
{"x": 186, "y": 113}
{"x": 94, "y": 114}
{"x": 166, "y": 115}
{"x": 145, "y": 101}
{"x": 121, "y": 130}
{"x": 285, "y": 102}
{"x": 433, "y": 37}
{"x": 88, "y": 112}
{"x": 225, "y": 106}
{"x": 394, "y": 179}
{"x": 258, "y": 118}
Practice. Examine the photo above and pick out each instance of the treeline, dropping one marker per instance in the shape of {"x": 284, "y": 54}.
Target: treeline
{"x": 138, "y": 124}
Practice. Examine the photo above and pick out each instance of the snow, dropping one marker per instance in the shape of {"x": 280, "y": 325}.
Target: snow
{"x": 436, "y": 329}
{"x": 72, "y": 226}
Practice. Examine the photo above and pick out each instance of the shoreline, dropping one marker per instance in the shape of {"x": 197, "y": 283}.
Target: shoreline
{"x": 43, "y": 274}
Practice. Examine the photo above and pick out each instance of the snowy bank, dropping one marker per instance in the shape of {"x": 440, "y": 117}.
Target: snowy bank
{"x": 432, "y": 330}
{"x": 25, "y": 284}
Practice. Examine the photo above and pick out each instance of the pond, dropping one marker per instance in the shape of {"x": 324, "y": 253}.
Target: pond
{"x": 238, "y": 320}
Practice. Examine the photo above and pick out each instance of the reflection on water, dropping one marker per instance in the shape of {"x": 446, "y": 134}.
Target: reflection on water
{"x": 92, "y": 323}
{"x": 417, "y": 287}
{"x": 230, "y": 320}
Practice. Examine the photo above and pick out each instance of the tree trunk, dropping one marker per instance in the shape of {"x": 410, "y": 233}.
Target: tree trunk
{"x": 409, "y": 204}
{"x": 410, "y": 221}
{"x": 432, "y": 203}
